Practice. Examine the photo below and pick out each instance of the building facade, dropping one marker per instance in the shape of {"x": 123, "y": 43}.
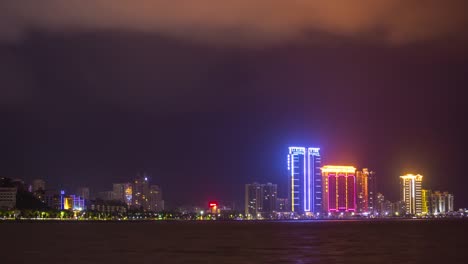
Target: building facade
{"x": 116, "y": 207}
{"x": 123, "y": 192}
{"x": 426, "y": 197}
{"x": 7, "y": 197}
{"x": 270, "y": 192}
{"x": 305, "y": 181}
{"x": 372, "y": 192}
{"x": 155, "y": 201}
{"x": 73, "y": 203}
{"x": 442, "y": 202}
{"x": 362, "y": 191}
{"x": 339, "y": 193}
{"x": 141, "y": 191}
{"x": 282, "y": 205}
{"x": 53, "y": 199}
{"x": 411, "y": 193}
{"x": 253, "y": 200}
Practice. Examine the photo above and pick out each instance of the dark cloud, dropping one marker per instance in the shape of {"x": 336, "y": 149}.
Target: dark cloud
{"x": 240, "y": 20}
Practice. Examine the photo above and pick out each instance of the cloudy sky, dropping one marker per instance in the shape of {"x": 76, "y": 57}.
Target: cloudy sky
{"x": 207, "y": 95}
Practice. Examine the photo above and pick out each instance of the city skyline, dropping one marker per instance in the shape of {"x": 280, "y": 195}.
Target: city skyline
{"x": 236, "y": 131}
{"x": 357, "y": 193}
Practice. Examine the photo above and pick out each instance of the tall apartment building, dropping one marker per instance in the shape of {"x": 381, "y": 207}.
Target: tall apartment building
{"x": 305, "y": 181}
{"x": 155, "y": 199}
{"x": 365, "y": 191}
{"x": 140, "y": 192}
{"x": 260, "y": 198}
{"x": 411, "y": 193}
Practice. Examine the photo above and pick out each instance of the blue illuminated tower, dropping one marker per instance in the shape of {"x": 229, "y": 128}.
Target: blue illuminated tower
{"x": 305, "y": 180}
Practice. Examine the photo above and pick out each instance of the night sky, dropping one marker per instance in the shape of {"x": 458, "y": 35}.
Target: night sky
{"x": 207, "y": 96}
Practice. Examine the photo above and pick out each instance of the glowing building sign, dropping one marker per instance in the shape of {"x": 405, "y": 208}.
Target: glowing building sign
{"x": 213, "y": 207}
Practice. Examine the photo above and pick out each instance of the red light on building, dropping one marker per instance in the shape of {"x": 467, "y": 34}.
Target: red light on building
{"x": 213, "y": 207}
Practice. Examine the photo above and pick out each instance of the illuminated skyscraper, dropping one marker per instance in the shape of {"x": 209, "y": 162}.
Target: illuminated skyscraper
{"x": 411, "y": 193}
{"x": 366, "y": 191}
{"x": 339, "y": 188}
{"x": 305, "y": 181}
{"x": 362, "y": 191}
{"x": 426, "y": 197}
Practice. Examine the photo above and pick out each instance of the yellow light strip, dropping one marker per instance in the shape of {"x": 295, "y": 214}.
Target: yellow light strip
{"x": 332, "y": 168}
{"x": 411, "y": 176}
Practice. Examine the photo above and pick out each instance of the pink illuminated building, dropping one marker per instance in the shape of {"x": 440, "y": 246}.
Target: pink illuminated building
{"x": 339, "y": 192}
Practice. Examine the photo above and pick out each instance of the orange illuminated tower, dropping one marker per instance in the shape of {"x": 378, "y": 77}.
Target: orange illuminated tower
{"x": 339, "y": 193}
{"x": 364, "y": 191}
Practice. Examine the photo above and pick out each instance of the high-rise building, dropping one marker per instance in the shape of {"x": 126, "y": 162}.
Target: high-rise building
{"x": 140, "y": 192}
{"x": 269, "y": 197}
{"x": 372, "y": 192}
{"x": 155, "y": 201}
{"x": 449, "y": 198}
{"x": 362, "y": 191}
{"x": 442, "y": 202}
{"x": 123, "y": 192}
{"x": 38, "y": 185}
{"x": 426, "y": 197}
{"x": 118, "y": 191}
{"x": 411, "y": 193}
{"x": 305, "y": 181}
{"x": 253, "y": 200}
{"x": 260, "y": 198}
{"x": 339, "y": 193}
{"x": 380, "y": 204}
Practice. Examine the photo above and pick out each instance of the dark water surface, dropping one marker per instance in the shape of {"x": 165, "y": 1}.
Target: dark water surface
{"x": 410, "y": 241}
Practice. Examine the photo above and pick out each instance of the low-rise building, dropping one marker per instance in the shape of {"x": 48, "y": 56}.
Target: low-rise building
{"x": 108, "y": 206}
{"x": 8, "y": 197}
